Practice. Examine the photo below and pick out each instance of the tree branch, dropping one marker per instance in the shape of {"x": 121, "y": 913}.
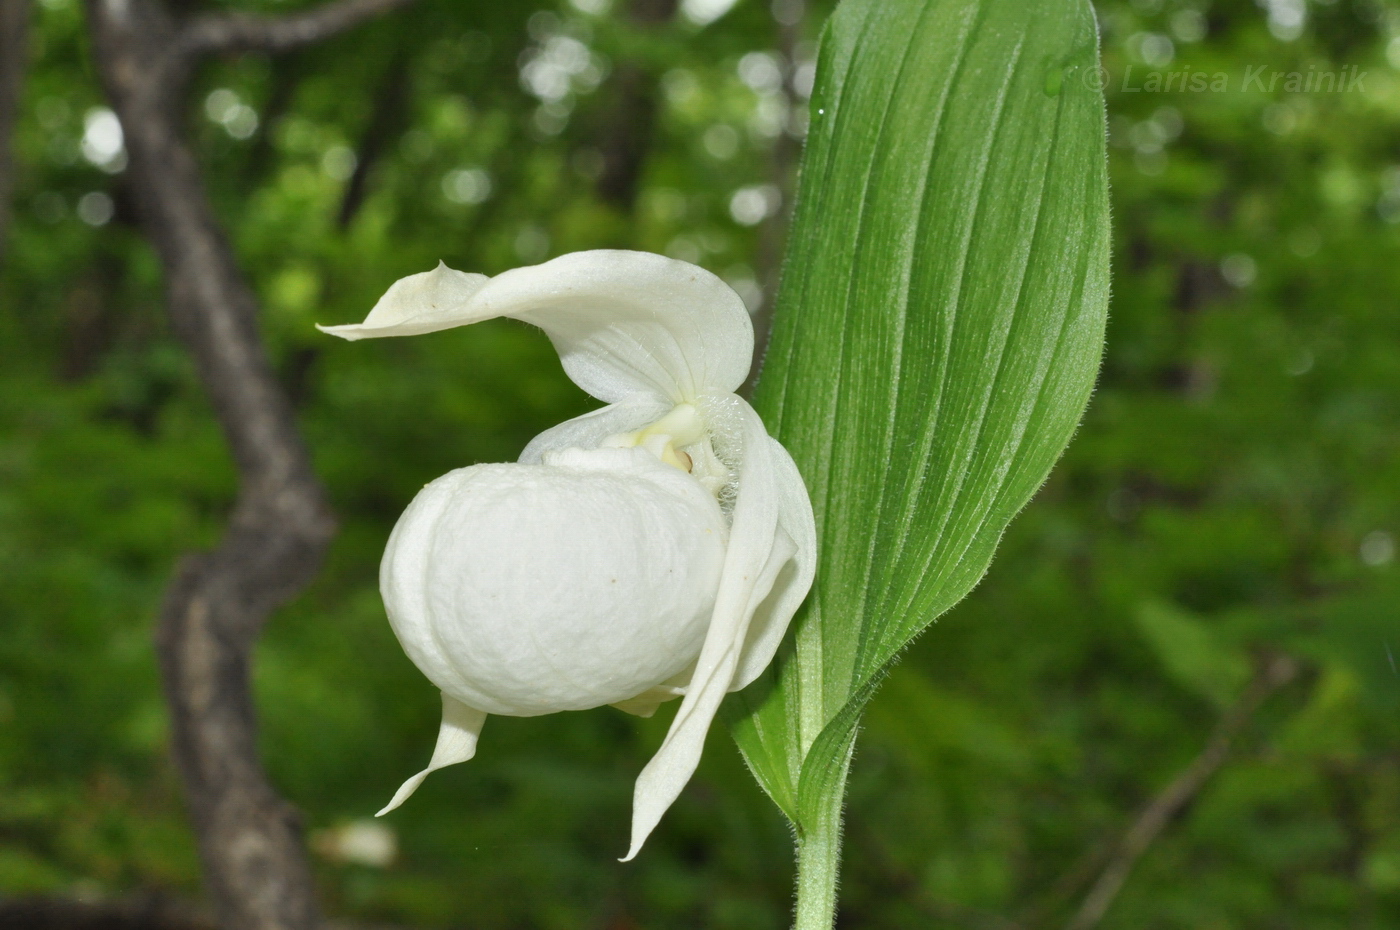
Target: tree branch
{"x": 14, "y": 54}
{"x": 628, "y": 128}
{"x": 249, "y": 837}
{"x": 233, "y": 32}
{"x": 1274, "y": 672}
{"x": 385, "y": 122}
{"x": 284, "y": 78}
{"x": 772, "y": 236}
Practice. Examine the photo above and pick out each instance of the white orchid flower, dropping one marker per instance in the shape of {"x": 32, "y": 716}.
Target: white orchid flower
{"x": 652, "y": 549}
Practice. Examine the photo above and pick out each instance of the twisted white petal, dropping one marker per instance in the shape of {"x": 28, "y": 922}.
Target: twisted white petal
{"x": 768, "y": 534}
{"x": 461, "y": 725}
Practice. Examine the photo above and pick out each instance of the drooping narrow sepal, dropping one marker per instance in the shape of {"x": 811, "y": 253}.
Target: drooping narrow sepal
{"x": 461, "y": 726}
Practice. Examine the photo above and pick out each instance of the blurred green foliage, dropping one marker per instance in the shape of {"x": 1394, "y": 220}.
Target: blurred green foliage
{"x": 1233, "y": 489}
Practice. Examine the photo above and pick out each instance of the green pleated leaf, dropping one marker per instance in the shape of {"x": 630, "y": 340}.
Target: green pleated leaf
{"x": 936, "y": 338}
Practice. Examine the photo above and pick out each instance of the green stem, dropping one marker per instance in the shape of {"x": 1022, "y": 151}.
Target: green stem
{"x": 819, "y": 865}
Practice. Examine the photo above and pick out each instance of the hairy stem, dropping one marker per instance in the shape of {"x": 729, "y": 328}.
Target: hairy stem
{"x": 819, "y": 864}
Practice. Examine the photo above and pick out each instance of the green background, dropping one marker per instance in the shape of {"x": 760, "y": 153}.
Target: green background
{"x": 1234, "y": 488}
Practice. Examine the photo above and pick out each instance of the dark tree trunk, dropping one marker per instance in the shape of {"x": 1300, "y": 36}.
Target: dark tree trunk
{"x": 772, "y": 236}
{"x": 385, "y": 123}
{"x": 14, "y": 55}
{"x": 631, "y": 123}
{"x": 249, "y": 837}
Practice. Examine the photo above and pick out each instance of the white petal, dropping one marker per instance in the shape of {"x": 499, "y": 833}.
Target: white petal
{"x": 623, "y": 322}
{"x": 419, "y": 303}
{"x": 760, "y": 547}
{"x": 589, "y": 430}
{"x": 646, "y": 703}
{"x": 461, "y": 725}
{"x": 798, "y": 530}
